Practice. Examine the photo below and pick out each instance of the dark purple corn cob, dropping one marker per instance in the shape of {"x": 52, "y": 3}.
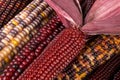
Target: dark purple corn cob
{"x": 23, "y": 4}
{"x": 117, "y": 76}
{"x": 29, "y": 52}
{"x": 4, "y": 5}
{"x": 107, "y": 70}
{"x": 11, "y": 12}
{"x": 58, "y": 54}
{"x": 7, "y": 11}
{"x": 10, "y": 8}
{"x": 18, "y": 6}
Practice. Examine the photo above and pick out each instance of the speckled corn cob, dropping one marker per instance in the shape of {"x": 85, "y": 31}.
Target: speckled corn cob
{"x": 117, "y": 76}
{"x": 107, "y": 70}
{"x": 30, "y": 51}
{"x": 22, "y": 19}
{"x": 56, "y": 56}
{"x": 93, "y": 55}
{"x": 11, "y": 53}
{"x": 9, "y": 8}
{"x": 35, "y": 24}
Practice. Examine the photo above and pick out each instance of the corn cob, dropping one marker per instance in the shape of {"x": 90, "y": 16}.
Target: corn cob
{"x": 14, "y": 38}
{"x": 16, "y": 9}
{"x": 15, "y": 31}
{"x": 33, "y": 25}
{"x": 8, "y": 11}
{"x": 93, "y": 55}
{"x": 107, "y": 70}
{"x": 11, "y": 13}
{"x": 117, "y": 76}
{"x": 14, "y": 51}
{"x": 29, "y": 52}
{"x": 19, "y": 19}
{"x": 56, "y": 56}
{"x": 5, "y": 3}
{"x": 20, "y": 46}
{"x": 15, "y": 42}
{"x": 19, "y": 23}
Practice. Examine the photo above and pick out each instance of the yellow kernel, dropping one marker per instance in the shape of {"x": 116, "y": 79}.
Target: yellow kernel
{"x": 75, "y": 67}
{"x": 15, "y": 22}
{"x": 98, "y": 47}
{"x": 14, "y": 42}
{"x": 6, "y": 59}
{"x": 43, "y": 14}
{"x": 79, "y": 77}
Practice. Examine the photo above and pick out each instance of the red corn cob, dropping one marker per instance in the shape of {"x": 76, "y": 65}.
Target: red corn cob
{"x": 59, "y": 53}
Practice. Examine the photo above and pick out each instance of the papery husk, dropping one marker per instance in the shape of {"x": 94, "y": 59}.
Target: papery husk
{"x": 69, "y": 11}
{"x": 86, "y": 6}
{"x": 103, "y": 18}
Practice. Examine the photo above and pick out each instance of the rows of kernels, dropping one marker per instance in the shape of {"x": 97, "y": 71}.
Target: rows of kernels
{"x": 24, "y": 41}
{"x": 25, "y": 31}
{"x": 18, "y": 24}
{"x": 9, "y": 11}
{"x": 7, "y": 49}
{"x": 117, "y": 76}
{"x": 10, "y": 54}
{"x": 56, "y": 56}
{"x": 45, "y": 35}
{"x": 37, "y": 24}
{"x": 94, "y": 55}
{"x": 12, "y": 13}
{"x": 28, "y": 60}
{"x": 18, "y": 18}
{"x": 5, "y": 3}
{"x": 107, "y": 70}
{"x": 16, "y": 9}
{"x": 32, "y": 26}
{"x": 15, "y": 43}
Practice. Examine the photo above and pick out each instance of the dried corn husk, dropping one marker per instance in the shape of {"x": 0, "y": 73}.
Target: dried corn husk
{"x": 104, "y": 17}
{"x": 86, "y": 6}
{"x": 68, "y": 10}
